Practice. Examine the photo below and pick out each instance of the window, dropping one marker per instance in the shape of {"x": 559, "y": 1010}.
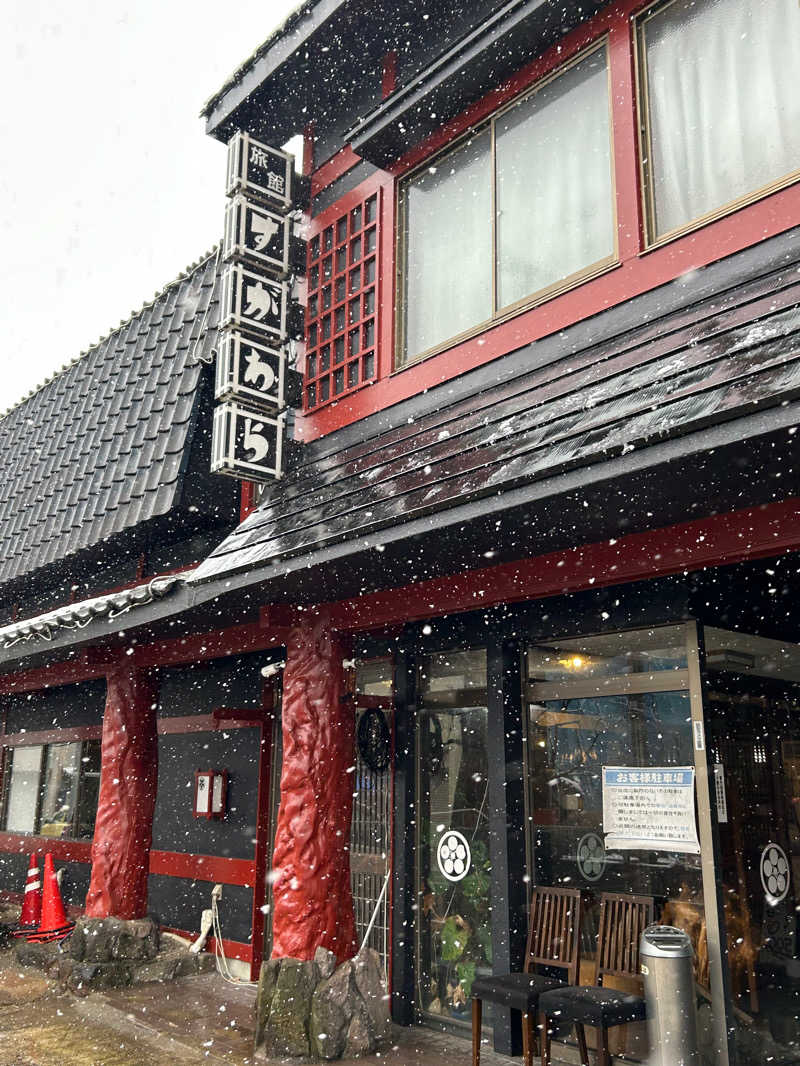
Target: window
{"x": 52, "y": 789}
{"x": 720, "y": 107}
{"x": 521, "y": 209}
{"x": 341, "y": 307}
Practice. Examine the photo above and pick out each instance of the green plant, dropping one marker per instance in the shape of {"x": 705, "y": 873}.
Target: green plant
{"x": 454, "y": 940}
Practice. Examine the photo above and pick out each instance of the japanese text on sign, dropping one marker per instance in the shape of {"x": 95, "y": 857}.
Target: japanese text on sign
{"x": 651, "y": 808}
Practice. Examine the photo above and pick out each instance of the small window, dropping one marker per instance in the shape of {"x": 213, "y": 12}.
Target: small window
{"x": 719, "y": 104}
{"x": 52, "y": 789}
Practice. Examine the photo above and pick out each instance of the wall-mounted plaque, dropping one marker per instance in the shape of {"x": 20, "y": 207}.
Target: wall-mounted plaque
{"x": 257, "y": 236}
{"x": 253, "y": 302}
{"x": 251, "y": 372}
{"x": 260, "y": 171}
{"x": 247, "y": 443}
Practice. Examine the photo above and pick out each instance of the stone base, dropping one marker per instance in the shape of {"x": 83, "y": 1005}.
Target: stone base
{"x": 316, "y": 1010}
{"x": 110, "y": 953}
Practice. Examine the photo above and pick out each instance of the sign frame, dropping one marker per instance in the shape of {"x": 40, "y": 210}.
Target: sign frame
{"x": 244, "y": 177}
{"x": 233, "y": 307}
{"x": 224, "y": 437}
{"x": 234, "y": 243}
{"x": 230, "y": 381}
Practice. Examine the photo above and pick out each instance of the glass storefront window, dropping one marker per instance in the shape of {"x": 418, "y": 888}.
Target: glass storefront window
{"x": 617, "y": 703}
{"x": 752, "y": 709}
{"x": 453, "y": 889}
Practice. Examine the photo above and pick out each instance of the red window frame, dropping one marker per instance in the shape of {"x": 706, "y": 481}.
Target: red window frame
{"x": 640, "y": 268}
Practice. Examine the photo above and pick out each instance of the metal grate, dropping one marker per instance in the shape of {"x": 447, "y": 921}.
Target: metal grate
{"x": 342, "y": 298}
{"x": 370, "y": 853}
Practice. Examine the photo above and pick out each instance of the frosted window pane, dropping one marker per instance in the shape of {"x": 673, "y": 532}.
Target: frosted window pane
{"x": 554, "y": 186}
{"x": 724, "y": 107}
{"x": 23, "y": 789}
{"x": 448, "y": 247}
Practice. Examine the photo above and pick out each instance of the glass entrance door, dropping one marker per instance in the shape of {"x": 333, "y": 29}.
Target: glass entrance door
{"x": 611, "y": 785}
{"x": 453, "y": 871}
{"x": 752, "y": 710}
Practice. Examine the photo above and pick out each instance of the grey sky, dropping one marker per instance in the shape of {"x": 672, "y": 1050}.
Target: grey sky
{"x": 109, "y": 186}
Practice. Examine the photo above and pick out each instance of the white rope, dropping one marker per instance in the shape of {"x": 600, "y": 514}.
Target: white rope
{"x": 223, "y": 969}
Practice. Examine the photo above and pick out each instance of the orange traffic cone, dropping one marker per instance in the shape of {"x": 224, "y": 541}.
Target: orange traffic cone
{"x": 54, "y": 924}
{"x": 32, "y": 901}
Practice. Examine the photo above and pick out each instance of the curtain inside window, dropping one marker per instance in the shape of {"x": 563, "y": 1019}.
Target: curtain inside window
{"x": 555, "y": 212}
{"x": 448, "y": 247}
{"x": 724, "y": 105}
{"x": 23, "y": 790}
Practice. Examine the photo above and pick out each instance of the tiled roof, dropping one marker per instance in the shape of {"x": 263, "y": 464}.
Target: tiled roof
{"x": 570, "y": 401}
{"x": 98, "y": 448}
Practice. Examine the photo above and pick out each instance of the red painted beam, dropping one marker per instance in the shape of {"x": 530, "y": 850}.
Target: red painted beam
{"x": 334, "y": 168}
{"x": 61, "y": 850}
{"x": 52, "y": 736}
{"x": 756, "y": 533}
{"x": 203, "y": 646}
{"x": 78, "y": 669}
{"x": 95, "y": 663}
{"x": 213, "y": 868}
{"x": 207, "y": 723}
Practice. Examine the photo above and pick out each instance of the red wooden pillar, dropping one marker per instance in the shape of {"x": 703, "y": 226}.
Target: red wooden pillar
{"x": 313, "y": 901}
{"x": 128, "y": 780}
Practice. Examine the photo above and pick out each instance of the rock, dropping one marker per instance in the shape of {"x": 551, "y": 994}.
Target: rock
{"x": 42, "y": 956}
{"x": 267, "y": 979}
{"x": 286, "y": 1028}
{"x": 137, "y": 939}
{"x": 359, "y": 1038}
{"x": 326, "y": 962}
{"x": 331, "y": 1013}
{"x": 109, "y": 939}
{"x": 86, "y": 976}
{"x": 369, "y": 982}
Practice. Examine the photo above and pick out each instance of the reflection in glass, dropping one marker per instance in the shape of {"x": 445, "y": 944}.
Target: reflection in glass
{"x": 753, "y": 729}
{"x": 454, "y": 937}
{"x": 60, "y": 789}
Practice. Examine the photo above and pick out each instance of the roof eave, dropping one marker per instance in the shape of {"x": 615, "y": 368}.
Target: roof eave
{"x": 223, "y": 111}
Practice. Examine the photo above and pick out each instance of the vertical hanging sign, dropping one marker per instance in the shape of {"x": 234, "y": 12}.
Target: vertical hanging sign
{"x": 252, "y": 371}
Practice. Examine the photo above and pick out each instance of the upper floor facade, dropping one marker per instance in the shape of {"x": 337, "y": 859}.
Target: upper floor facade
{"x": 487, "y": 176}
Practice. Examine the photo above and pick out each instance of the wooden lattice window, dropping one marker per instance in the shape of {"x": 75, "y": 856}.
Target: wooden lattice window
{"x": 341, "y": 328}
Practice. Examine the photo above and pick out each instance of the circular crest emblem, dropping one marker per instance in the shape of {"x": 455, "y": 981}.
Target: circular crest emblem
{"x": 774, "y": 873}
{"x": 591, "y": 857}
{"x": 374, "y": 740}
{"x": 453, "y": 855}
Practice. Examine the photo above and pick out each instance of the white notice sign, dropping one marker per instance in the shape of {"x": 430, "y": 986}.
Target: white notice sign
{"x": 650, "y": 808}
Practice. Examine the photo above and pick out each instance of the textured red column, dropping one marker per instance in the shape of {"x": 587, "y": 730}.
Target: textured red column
{"x": 128, "y": 779}
{"x": 313, "y": 901}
